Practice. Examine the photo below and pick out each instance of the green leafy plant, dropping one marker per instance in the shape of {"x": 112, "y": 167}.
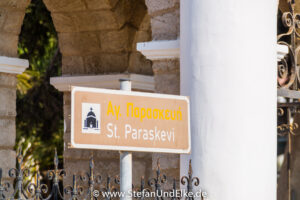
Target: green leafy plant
{"x": 39, "y": 119}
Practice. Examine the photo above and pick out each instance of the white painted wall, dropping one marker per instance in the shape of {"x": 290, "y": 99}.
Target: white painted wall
{"x": 228, "y": 68}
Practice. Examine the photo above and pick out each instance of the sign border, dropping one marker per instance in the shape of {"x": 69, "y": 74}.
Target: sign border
{"x": 74, "y": 89}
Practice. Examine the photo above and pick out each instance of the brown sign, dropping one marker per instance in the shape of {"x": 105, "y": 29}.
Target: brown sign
{"x": 129, "y": 121}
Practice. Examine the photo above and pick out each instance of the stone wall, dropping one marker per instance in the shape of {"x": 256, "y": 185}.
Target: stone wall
{"x": 165, "y": 25}
{"x": 11, "y": 18}
{"x": 164, "y": 19}
{"x": 7, "y": 121}
{"x": 12, "y": 13}
{"x": 98, "y": 36}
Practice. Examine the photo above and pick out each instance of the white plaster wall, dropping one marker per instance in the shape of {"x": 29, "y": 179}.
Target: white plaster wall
{"x": 228, "y": 68}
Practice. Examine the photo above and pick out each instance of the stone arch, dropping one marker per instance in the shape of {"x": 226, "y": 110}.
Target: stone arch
{"x": 97, "y": 36}
{"x": 12, "y": 13}
{"x": 143, "y": 34}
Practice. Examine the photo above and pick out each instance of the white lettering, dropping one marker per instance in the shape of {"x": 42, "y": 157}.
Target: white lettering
{"x": 109, "y": 127}
{"x": 127, "y": 130}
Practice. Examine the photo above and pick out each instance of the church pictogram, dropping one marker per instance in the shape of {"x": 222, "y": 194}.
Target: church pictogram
{"x": 91, "y": 121}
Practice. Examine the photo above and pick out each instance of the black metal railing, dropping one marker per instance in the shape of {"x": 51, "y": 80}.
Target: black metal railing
{"x": 91, "y": 186}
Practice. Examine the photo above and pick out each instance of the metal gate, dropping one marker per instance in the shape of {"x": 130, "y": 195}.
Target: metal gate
{"x": 288, "y": 82}
{"x": 90, "y": 185}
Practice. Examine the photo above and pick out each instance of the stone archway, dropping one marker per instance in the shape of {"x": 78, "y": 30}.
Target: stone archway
{"x": 96, "y": 36}
{"x": 12, "y": 13}
{"x": 11, "y": 17}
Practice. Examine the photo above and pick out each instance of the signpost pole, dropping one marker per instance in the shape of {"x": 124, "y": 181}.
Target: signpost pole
{"x": 125, "y": 158}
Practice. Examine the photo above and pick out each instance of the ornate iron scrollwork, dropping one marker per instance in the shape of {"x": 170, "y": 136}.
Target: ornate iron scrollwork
{"x": 288, "y": 69}
{"x": 3, "y": 187}
{"x": 95, "y": 189}
{"x": 158, "y": 182}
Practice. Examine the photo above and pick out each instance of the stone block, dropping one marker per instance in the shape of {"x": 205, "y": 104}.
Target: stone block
{"x": 9, "y": 44}
{"x": 167, "y": 83}
{"x": 116, "y": 41}
{"x": 15, "y": 3}
{"x": 142, "y": 166}
{"x": 100, "y": 4}
{"x": 14, "y": 21}
{"x": 7, "y": 80}
{"x": 8, "y": 132}
{"x": 137, "y": 15}
{"x": 166, "y": 66}
{"x": 106, "y": 63}
{"x": 167, "y": 161}
{"x": 93, "y": 65}
{"x": 65, "y": 5}
{"x": 117, "y": 62}
{"x": 169, "y": 165}
{"x": 113, "y": 3}
{"x": 7, "y": 161}
{"x": 79, "y": 44}
{"x": 63, "y": 22}
{"x": 166, "y": 27}
{"x": 71, "y": 154}
{"x": 72, "y": 65}
{"x": 3, "y": 13}
{"x": 146, "y": 23}
{"x": 142, "y": 155}
{"x": 123, "y": 11}
{"x": 140, "y": 169}
{"x": 139, "y": 64}
{"x": 171, "y": 175}
{"x": 141, "y": 36}
{"x": 86, "y": 153}
{"x": 8, "y": 102}
{"x": 156, "y": 6}
{"x": 95, "y": 20}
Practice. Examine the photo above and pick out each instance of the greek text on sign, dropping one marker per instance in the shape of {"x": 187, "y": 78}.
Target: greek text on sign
{"x": 129, "y": 121}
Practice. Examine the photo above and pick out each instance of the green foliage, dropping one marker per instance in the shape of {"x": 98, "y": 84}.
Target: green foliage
{"x": 39, "y": 105}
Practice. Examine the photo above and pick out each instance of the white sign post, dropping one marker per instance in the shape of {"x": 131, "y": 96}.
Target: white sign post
{"x": 125, "y": 158}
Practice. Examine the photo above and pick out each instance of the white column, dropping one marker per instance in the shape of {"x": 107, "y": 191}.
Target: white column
{"x": 228, "y": 68}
